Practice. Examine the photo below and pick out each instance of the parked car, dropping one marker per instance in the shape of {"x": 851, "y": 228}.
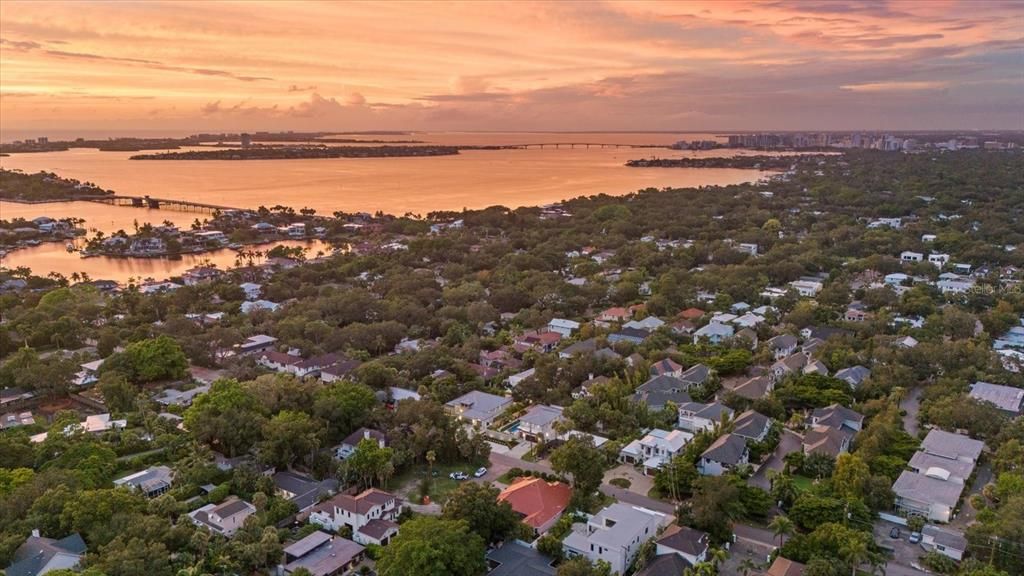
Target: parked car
{"x": 459, "y": 476}
{"x": 915, "y": 537}
{"x": 894, "y": 533}
{"x": 480, "y": 472}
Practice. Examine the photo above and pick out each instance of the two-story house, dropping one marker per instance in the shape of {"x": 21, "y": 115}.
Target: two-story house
{"x": 655, "y": 449}
{"x": 370, "y": 515}
{"x": 614, "y": 535}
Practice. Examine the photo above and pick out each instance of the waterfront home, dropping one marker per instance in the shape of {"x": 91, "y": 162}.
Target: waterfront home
{"x": 320, "y": 554}
{"x": 158, "y": 287}
{"x": 210, "y": 237}
{"x": 224, "y": 518}
{"x": 478, "y": 408}
{"x": 201, "y": 275}
{"x": 615, "y": 534}
{"x": 538, "y": 502}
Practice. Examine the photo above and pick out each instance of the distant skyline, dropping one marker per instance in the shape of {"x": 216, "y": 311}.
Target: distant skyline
{"x": 694, "y": 65}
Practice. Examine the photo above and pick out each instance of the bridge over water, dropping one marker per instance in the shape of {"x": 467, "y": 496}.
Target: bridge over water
{"x": 159, "y": 203}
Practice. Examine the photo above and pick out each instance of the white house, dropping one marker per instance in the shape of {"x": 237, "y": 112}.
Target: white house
{"x": 225, "y": 518}
{"x": 614, "y": 535}
{"x": 365, "y": 514}
{"x": 909, "y": 256}
{"x": 655, "y": 449}
{"x": 538, "y": 424}
{"x": 563, "y": 326}
{"x": 806, "y": 288}
{"x": 714, "y": 333}
{"x": 944, "y": 541}
{"x": 698, "y": 417}
{"x": 939, "y": 260}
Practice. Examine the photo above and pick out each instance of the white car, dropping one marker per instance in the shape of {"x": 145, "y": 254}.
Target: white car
{"x": 480, "y": 472}
{"x": 458, "y": 476}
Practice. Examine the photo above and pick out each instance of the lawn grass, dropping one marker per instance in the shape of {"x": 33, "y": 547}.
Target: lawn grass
{"x": 803, "y": 483}
{"x": 440, "y": 486}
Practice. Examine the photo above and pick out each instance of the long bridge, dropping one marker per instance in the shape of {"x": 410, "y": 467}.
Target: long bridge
{"x": 583, "y": 145}
{"x": 158, "y": 203}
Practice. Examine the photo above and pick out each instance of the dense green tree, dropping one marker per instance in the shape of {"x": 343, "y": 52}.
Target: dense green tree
{"x": 428, "y": 546}
{"x": 578, "y": 457}
{"x": 478, "y": 506}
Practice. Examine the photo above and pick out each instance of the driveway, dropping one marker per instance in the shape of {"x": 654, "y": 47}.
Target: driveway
{"x": 912, "y": 405}
{"x": 903, "y": 552}
{"x": 967, "y": 513}
{"x": 789, "y": 441}
{"x": 638, "y": 483}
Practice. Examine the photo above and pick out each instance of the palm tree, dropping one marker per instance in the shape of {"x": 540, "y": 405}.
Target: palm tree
{"x": 718, "y": 555}
{"x": 781, "y": 526}
{"x": 784, "y": 488}
{"x": 746, "y": 566}
{"x": 855, "y": 553}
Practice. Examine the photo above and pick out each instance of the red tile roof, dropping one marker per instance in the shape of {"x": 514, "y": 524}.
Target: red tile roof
{"x": 537, "y": 500}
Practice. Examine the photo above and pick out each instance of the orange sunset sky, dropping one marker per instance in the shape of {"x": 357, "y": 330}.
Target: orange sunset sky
{"x": 694, "y": 65}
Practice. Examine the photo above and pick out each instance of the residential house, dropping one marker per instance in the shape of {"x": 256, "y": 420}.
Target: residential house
{"x": 302, "y": 490}
{"x": 655, "y": 449}
{"x": 657, "y": 392}
{"x": 790, "y": 365}
{"x": 478, "y": 408}
{"x": 697, "y": 417}
{"x": 714, "y": 333}
{"x": 538, "y": 424}
{"x": 785, "y": 567}
{"x": 349, "y": 444}
{"x": 39, "y": 555}
{"x": 151, "y": 482}
{"x": 909, "y": 256}
{"x": 938, "y": 475}
{"x": 537, "y": 340}
{"x": 1007, "y": 398}
{"x": 201, "y": 275}
{"x": 252, "y": 290}
{"x": 614, "y": 535}
{"x": 250, "y": 306}
{"x": 649, "y": 324}
{"x": 666, "y": 367}
{"x": 256, "y": 344}
{"x": 616, "y": 315}
{"x": 945, "y": 541}
{"x": 517, "y": 379}
{"x": 807, "y": 288}
{"x": 224, "y": 518}
{"x": 538, "y": 502}
{"x": 688, "y": 543}
{"x": 183, "y": 398}
{"x": 826, "y": 441}
{"x": 563, "y": 326}
{"x": 631, "y": 335}
{"x": 584, "y": 347}
{"x": 939, "y": 260}
{"x": 16, "y": 419}
{"x": 755, "y": 388}
{"x": 726, "y": 453}
{"x": 752, "y": 426}
{"x": 854, "y": 375}
{"x": 321, "y": 554}
{"x": 365, "y": 514}
{"x": 514, "y": 558}
{"x": 339, "y": 370}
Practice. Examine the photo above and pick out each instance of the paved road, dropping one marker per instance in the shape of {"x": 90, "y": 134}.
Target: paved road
{"x": 789, "y": 442}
